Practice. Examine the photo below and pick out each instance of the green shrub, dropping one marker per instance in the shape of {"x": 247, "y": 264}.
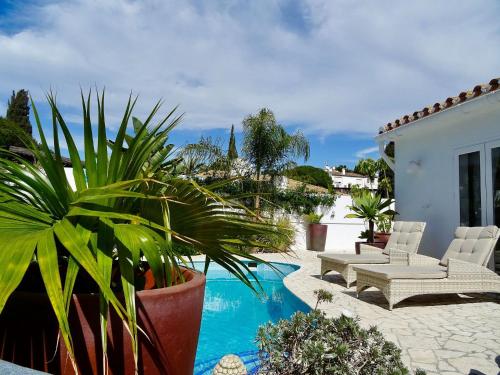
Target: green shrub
{"x": 313, "y": 218}
{"x": 316, "y": 345}
{"x": 310, "y": 175}
{"x": 11, "y": 134}
{"x": 282, "y": 239}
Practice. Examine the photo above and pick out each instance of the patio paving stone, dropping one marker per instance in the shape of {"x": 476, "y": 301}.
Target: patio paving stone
{"x": 447, "y": 334}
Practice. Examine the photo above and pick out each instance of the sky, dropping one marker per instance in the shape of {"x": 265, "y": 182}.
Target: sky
{"x": 336, "y": 70}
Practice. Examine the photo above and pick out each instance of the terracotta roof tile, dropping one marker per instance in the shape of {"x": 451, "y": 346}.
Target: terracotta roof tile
{"x": 478, "y": 90}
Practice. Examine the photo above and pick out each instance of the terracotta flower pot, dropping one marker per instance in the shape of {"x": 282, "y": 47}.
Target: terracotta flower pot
{"x": 170, "y": 317}
{"x": 317, "y": 236}
{"x": 382, "y": 237}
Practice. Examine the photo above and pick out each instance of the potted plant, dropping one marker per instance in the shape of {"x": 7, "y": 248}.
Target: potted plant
{"x": 316, "y": 232}
{"x": 384, "y": 225}
{"x": 371, "y": 208}
{"x": 93, "y": 272}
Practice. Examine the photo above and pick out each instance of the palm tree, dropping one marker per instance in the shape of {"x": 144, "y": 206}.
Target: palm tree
{"x": 369, "y": 168}
{"x": 126, "y": 207}
{"x": 370, "y": 208}
{"x": 269, "y": 147}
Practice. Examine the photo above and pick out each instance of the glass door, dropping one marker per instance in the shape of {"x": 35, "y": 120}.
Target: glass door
{"x": 471, "y": 187}
{"x": 492, "y": 150}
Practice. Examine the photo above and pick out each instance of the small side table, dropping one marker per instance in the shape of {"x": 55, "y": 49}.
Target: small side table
{"x": 380, "y": 245}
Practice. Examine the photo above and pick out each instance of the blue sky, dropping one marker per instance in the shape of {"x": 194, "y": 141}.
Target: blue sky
{"x": 335, "y": 69}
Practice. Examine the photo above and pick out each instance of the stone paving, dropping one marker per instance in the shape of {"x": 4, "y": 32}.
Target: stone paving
{"x": 447, "y": 334}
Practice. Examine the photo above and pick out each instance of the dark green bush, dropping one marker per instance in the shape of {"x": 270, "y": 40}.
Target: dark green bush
{"x": 310, "y": 175}
{"x": 11, "y": 134}
{"x": 316, "y": 345}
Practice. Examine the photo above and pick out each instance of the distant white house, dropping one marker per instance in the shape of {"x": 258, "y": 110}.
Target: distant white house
{"x": 343, "y": 180}
{"x": 447, "y": 165}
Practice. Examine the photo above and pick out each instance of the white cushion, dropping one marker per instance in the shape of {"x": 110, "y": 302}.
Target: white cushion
{"x": 405, "y": 236}
{"x": 472, "y": 244}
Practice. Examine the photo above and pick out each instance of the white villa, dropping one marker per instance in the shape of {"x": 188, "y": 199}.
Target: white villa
{"x": 447, "y": 165}
{"x": 343, "y": 180}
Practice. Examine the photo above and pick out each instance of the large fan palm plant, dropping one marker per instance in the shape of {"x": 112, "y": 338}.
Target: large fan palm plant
{"x": 126, "y": 208}
{"x": 371, "y": 208}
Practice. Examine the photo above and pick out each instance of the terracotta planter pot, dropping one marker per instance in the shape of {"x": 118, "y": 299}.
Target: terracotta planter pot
{"x": 382, "y": 237}
{"x": 317, "y": 236}
{"x": 170, "y": 317}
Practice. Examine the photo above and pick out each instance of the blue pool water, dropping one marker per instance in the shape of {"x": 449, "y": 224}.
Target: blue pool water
{"x": 232, "y": 313}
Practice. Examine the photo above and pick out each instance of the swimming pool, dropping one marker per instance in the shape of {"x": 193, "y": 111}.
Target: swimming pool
{"x": 232, "y": 313}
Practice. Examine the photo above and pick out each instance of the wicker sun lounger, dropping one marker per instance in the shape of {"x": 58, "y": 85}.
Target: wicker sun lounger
{"x": 405, "y": 237}
{"x": 463, "y": 269}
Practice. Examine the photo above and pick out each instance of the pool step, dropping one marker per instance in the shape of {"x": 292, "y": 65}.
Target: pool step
{"x": 249, "y": 358}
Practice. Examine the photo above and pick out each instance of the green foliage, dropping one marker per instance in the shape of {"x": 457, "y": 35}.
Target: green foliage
{"x": 203, "y": 156}
{"x": 313, "y": 218}
{"x": 371, "y": 208}
{"x": 364, "y": 235}
{"x": 322, "y": 296}
{"x": 282, "y": 237}
{"x": 343, "y": 166}
{"x": 316, "y": 345}
{"x": 384, "y": 223}
{"x": 269, "y": 148}
{"x": 357, "y": 191}
{"x": 127, "y": 206}
{"x": 310, "y": 175}
{"x": 232, "y": 152}
{"x": 18, "y": 110}
{"x": 11, "y": 134}
{"x": 300, "y": 201}
{"x": 367, "y": 167}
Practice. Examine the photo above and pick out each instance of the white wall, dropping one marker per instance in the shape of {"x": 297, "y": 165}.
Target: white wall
{"x": 342, "y": 232}
{"x": 429, "y": 192}
{"x": 69, "y": 175}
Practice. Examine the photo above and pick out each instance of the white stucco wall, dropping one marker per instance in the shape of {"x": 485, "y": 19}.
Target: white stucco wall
{"x": 429, "y": 192}
{"x": 342, "y": 232}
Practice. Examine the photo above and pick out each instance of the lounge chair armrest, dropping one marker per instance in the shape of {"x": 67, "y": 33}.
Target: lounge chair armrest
{"x": 368, "y": 249}
{"x": 421, "y": 260}
{"x": 459, "y": 268}
{"x": 398, "y": 257}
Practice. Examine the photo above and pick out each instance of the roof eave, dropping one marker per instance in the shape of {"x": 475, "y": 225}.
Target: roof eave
{"x": 396, "y": 132}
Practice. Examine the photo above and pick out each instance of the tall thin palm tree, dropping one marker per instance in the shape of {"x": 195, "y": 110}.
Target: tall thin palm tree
{"x": 269, "y": 147}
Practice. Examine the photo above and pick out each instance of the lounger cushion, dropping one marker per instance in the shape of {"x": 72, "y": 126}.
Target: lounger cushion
{"x": 471, "y": 244}
{"x": 406, "y": 236}
{"x": 391, "y": 272}
{"x": 356, "y": 258}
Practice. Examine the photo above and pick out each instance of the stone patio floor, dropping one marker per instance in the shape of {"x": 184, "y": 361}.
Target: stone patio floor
{"x": 443, "y": 334}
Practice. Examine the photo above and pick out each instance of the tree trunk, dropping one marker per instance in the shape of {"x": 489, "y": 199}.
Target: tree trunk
{"x": 370, "y": 231}
{"x": 257, "y": 195}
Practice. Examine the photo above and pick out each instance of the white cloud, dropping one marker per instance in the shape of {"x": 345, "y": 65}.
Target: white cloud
{"x": 366, "y": 151}
{"x": 328, "y": 66}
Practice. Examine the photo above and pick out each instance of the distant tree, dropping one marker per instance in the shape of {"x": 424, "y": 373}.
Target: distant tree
{"x": 11, "y": 134}
{"x": 342, "y": 166}
{"x": 18, "y": 110}
{"x": 269, "y": 148}
{"x": 232, "y": 153}
{"x": 369, "y": 168}
{"x": 310, "y": 175}
{"x": 386, "y": 174}
{"x": 202, "y": 156}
